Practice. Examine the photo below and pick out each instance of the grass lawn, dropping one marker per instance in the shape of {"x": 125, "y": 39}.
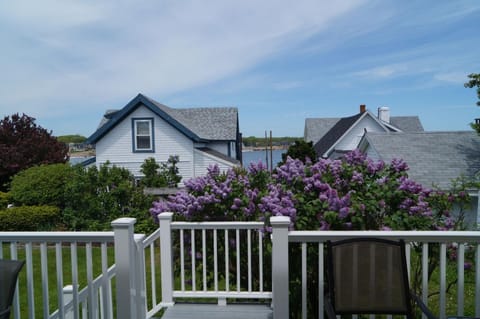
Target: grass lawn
{"x": 52, "y": 273}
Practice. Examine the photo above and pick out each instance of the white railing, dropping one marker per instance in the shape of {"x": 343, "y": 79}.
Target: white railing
{"x": 81, "y": 290}
{"x": 217, "y": 260}
{"x": 59, "y": 251}
{"x": 461, "y": 240}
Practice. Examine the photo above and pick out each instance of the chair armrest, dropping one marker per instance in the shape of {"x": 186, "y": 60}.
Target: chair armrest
{"x": 5, "y": 313}
{"x": 422, "y": 306}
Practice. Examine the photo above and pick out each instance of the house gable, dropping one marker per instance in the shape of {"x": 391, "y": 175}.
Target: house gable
{"x": 140, "y": 100}
{"x": 347, "y": 132}
{"x": 145, "y": 128}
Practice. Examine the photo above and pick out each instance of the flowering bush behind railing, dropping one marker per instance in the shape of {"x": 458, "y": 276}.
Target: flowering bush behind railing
{"x": 352, "y": 193}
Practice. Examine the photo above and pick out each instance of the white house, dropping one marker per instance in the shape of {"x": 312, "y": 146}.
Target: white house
{"x": 333, "y": 137}
{"x": 145, "y": 128}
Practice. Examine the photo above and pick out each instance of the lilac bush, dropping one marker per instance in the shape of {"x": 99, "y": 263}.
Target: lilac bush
{"x": 354, "y": 192}
{"x": 233, "y": 195}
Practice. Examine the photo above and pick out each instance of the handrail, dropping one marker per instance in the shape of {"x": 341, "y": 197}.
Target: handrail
{"x": 83, "y": 294}
{"x": 217, "y": 225}
{"x": 415, "y": 236}
{"x": 21, "y": 237}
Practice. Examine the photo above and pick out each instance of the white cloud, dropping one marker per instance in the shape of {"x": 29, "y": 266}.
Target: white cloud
{"x": 81, "y": 51}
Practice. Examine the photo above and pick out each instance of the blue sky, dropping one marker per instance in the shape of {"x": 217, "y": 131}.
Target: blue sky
{"x": 66, "y": 62}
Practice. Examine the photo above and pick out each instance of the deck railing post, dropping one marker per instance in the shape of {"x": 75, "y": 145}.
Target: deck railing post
{"x": 280, "y": 266}
{"x": 68, "y": 297}
{"x": 165, "y": 220}
{"x": 140, "y": 281}
{"x": 125, "y": 266}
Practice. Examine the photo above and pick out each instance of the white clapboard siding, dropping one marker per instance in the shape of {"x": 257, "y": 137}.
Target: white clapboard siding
{"x": 204, "y": 160}
{"x": 116, "y": 146}
{"x": 352, "y": 138}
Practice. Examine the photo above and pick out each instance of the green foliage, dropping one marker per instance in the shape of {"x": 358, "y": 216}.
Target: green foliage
{"x": 95, "y": 197}
{"x": 163, "y": 175}
{"x": 4, "y": 200}
{"x": 41, "y": 185}
{"x": 252, "y": 141}
{"x": 474, "y": 82}
{"x": 23, "y": 144}
{"x": 72, "y": 139}
{"x": 300, "y": 150}
{"x": 29, "y": 218}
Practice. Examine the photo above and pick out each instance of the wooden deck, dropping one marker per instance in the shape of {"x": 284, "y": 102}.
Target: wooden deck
{"x": 213, "y": 311}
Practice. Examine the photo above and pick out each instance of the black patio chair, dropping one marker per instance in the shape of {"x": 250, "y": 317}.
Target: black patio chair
{"x": 9, "y": 270}
{"x": 369, "y": 276}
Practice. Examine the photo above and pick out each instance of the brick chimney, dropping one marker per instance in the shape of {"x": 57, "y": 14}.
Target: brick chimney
{"x": 363, "y": 108}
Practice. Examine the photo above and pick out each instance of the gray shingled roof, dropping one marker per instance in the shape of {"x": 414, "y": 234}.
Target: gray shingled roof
{"x": 208, "y": 123}
{"x": 434, "y": 158}
{"x": 407, "y": 123}
{"x": 335, "y": 133}
{"x": 316, "y": 128}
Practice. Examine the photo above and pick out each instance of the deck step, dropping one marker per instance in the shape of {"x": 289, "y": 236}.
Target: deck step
{"x": 213, "y": 311}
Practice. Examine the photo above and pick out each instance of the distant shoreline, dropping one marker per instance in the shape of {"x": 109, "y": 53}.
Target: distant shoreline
{"x": 263, "y": 148}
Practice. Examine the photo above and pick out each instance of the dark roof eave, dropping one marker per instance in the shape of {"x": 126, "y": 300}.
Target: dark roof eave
{"x": 140, "y": 99}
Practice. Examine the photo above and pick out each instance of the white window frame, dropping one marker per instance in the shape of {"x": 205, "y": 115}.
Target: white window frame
{"x": 135, "y": 135}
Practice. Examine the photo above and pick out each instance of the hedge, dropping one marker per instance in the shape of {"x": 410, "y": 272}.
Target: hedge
{"x": 29, "y": 218}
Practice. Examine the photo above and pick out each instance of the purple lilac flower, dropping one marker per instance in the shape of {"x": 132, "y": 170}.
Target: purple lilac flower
{"x": 355, "y": 157}
{"x": 357, "y": 178}
{"x": 398, "y": 165}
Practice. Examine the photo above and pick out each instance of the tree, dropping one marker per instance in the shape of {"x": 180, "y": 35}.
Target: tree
{"x": 72, "y": 139}
{"x": 300, "y": 150}
{"x": 23, "y": 144}
{"x": 475, "y": 82}
{"x": 164, "y": 175}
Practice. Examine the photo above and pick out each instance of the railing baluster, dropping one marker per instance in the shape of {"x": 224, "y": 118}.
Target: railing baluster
{"x": 408, "y": 250}
{"x": 59, "y": 264}
{"x": 30, "y": 281}
{"x": 227, "y": 261}
{"x": 105, "y": 281}
{"x": 194, "y": 279}
{"x": 204, "y": 259}
{"x": 44, "y": 269}
{"x": 182, "y": 261}
{"x": 249, "y": 256}
{"x": 477, "y": 280}
{"x": 153, "y": 279}
{"x": 74, "y": 259}
{"x": 260, "y": 258}
{"x": 304, "y": 280}
{"x": 425, "y": 275}
{"x": 92, "y": 304}
{"x": 460, "y": 278}
{"x": 321, "y": 281}
{"x": 215, "y": 260}
{"x": 237, "y": 241}
{"x": 443, "y": 279}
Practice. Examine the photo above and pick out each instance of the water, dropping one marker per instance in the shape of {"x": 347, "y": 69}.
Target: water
{"x": 257, "y": 156}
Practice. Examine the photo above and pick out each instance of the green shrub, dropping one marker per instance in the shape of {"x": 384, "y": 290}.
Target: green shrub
{"x": 97, "y": 196}
{"x": 29, "y": 218}
{"x": 4, "y": 200}
{"x": 41, "y": 185}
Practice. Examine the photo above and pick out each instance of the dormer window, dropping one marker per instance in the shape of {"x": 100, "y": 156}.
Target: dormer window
{"x": 142, "y": 134}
